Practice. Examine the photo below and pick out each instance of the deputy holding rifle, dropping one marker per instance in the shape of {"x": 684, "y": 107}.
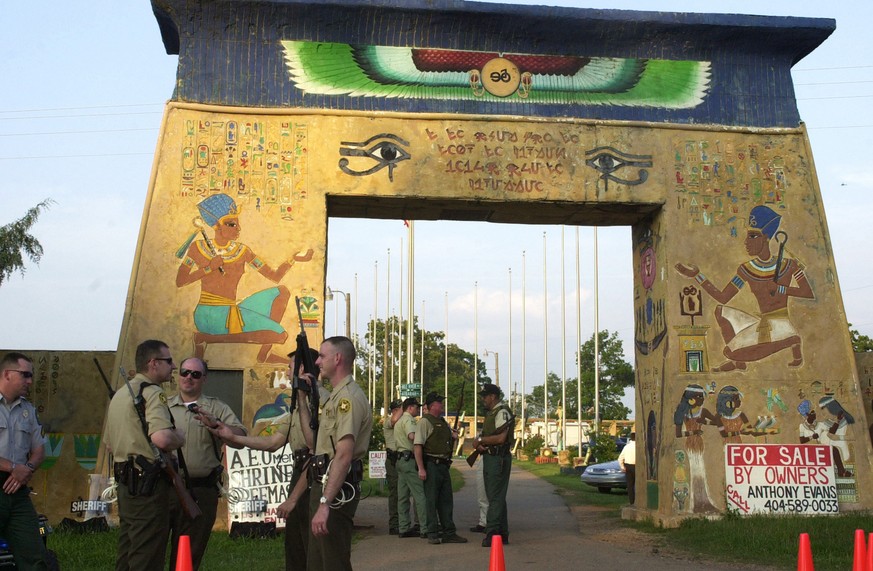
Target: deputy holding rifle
{"x": 341, "y": 441}
{"x": 143, "y": 486}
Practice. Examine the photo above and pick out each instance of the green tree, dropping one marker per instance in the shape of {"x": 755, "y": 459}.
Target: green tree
{"x": 860, "y": 343}
{"x": 16, "y": 241}
{"x": 616, "y": 374}
{"x": 391, "y": 362}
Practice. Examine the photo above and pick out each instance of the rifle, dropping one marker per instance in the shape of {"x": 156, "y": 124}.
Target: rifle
{"x": 471, "y": 459}
{"x": 189, "y": 506}
{"x": 303, "y": 356}
{"x": 105, "y": 379}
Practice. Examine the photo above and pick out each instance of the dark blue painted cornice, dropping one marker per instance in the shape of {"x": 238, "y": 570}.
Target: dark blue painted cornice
{"x": 229, "y": 51}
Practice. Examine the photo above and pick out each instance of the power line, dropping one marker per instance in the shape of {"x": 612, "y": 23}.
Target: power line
{"x": 73, "y": 156}
{"x": 834, "y": 68}
{"x": 840, "y": 127}
{"x": 77, "y": 132}
{"x": 80, "y": 115}
{"x": 834, "y": 97}
{"x": 76, "y": 108}
{"x": 836, "y": 82}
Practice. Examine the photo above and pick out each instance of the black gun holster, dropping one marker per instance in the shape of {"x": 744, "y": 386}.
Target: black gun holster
{"x": 139, "y": 475}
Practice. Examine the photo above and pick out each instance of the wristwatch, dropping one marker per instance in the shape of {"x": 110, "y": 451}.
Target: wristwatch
{"x": 31, "y": 466}
{"x": 322, "y": 500}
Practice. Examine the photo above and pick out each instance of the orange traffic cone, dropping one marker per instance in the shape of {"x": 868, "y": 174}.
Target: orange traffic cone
{"x": 859, "y": 562}
{"x": 183, "y": 554}
{"x": 804, "y": 554}
{"x": 870, "y": 553}
{"x": 497, "y": 563}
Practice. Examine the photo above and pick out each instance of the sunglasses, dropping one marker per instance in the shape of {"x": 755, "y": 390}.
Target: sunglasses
{"x": 25, "y": 374}
{"x": 167, "y": 360}
{"x": 190, "y": 373}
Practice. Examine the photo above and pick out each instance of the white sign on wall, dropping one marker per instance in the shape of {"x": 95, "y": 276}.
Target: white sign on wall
{"x": 780, "y": 478}
{"x": 257, "y": 484}
{"x": 377, "y": 464}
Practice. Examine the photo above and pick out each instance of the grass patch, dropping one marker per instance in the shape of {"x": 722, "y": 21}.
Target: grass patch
{"x": 96, "y": 551}
{"x": 758, "y": 539}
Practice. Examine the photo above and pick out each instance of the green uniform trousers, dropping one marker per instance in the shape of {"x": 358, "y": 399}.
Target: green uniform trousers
{"x": 497, "y": 470}
{"x": 19, "y": 525}
{"x": 440, "y": 502}
{"x": 198, "y": 529}
{"x": 332, "y": 552}
{"x": 144, "y": 528}
{"x": 409, "y": 484}
{"x": 297, "y": 530}
{"x": 391, "y": 477}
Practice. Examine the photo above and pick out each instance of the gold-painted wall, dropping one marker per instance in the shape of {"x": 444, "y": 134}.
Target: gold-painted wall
{"x": 688, "y": 192}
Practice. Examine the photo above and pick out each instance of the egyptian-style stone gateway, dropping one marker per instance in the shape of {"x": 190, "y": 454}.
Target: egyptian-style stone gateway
{"x": 684, "y": 126}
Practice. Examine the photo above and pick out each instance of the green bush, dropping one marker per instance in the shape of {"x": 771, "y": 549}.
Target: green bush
{"x": 532, "y": 446}
{"x": 603, "y": 449}
{"x": 377, "y": 437}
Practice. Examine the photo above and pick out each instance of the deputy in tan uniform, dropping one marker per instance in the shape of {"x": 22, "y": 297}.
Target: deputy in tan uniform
{"x": 295, "y": 509}
{"x": 192, "y": 413}
{"x": 434, "y": 442}
{"x": 344, "y": 431}
{"x": 394, "y": 412}
{"x": 409, "y": 483}
{"x": 143, "y": 490}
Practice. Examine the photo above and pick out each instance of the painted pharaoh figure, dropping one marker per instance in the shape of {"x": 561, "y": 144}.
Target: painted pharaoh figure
{"x": 219, "y": 264}
{"x": 772, "y": 278}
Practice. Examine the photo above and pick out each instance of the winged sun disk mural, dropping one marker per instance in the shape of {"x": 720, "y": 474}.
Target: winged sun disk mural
{"x": 417, "y": 73}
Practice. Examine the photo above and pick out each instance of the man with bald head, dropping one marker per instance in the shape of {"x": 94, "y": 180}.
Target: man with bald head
{"x": 193, "y": 412}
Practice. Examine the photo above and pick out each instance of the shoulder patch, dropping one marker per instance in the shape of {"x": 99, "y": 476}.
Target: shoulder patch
{"x": 345, "y": 405}
{"x": 163, "y": 397}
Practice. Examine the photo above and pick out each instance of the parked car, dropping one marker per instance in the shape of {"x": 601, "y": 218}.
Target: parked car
{"x": 605, "y": 476}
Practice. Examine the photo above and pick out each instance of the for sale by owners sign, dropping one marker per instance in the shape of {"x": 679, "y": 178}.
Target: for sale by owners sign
{"x": 780, "y": 478}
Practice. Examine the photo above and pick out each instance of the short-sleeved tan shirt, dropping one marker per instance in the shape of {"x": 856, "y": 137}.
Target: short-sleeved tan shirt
{"x": 123, "y": 429}
{"x": 404, "y": 426}
{"x": 388, "y": 431}
{"x": 345, "y": 413}
{"x": 199, "y": 450}
{"x": 296, "y": 438}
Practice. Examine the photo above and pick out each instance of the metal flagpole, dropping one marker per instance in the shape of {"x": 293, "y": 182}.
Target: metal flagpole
{"x": 475, "y": 357}
{"x": 388, "y": 368}
{"x": 446, "y": 342}
{"x": 421, "y": 360}
{"x": 596, "y": 340}
{"x": 546, "y": 346}
{"x": 578, "y": 349}
{"x": 563, "y": 418}
{"x": 509, "y": 383}
{"x": 400, "y": 325}
{"x": 523, "y": 344}
{"x": 410, "y": 322}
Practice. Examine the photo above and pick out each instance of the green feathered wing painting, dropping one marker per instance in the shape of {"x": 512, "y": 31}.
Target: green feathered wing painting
{"x": 452, "y": 75}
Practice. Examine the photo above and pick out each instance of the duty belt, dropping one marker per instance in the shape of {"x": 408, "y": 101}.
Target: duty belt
{"x": 406, "y": 454}
{"x": 318, "y": 468}
{"x": 392, "y": 454}
{"x": 438, "y": 460}
{"x": 501, "y": 450}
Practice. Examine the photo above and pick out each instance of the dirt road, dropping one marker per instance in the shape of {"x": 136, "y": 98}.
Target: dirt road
{"x": 544, "y": 534}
